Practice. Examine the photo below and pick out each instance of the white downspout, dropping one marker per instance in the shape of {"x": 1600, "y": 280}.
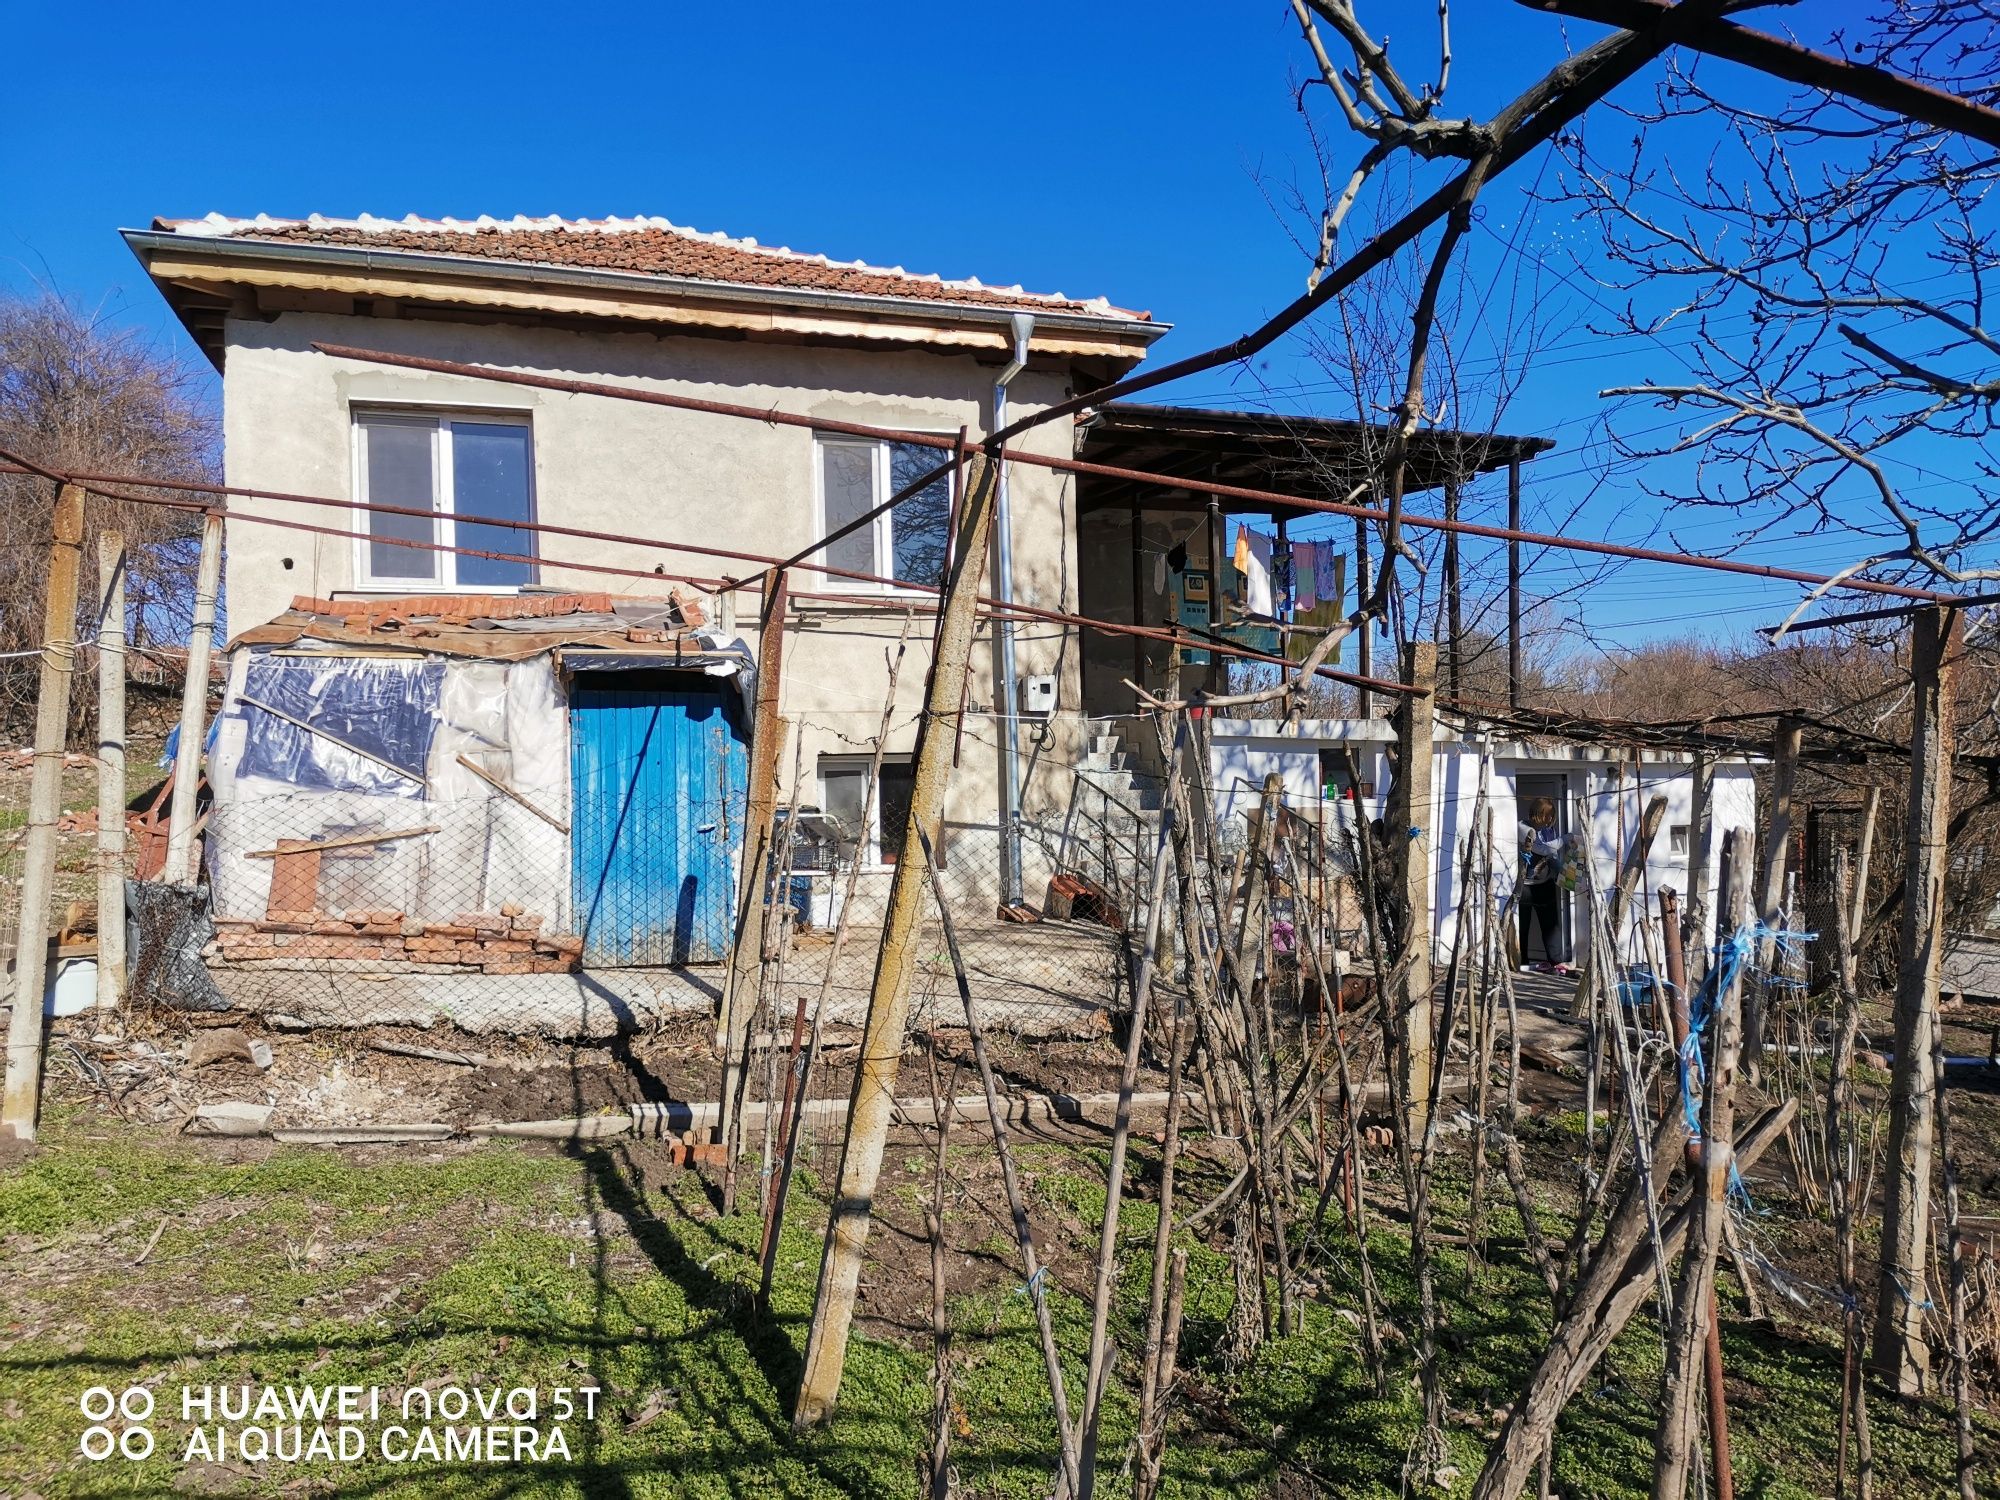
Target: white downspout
{"x": 1010, "y": 687}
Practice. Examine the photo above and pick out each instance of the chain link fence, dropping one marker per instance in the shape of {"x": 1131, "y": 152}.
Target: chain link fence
{"x": 348, "y": 911}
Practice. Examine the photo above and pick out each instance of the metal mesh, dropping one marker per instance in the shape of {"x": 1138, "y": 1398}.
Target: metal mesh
{"x": 346, "y": 911}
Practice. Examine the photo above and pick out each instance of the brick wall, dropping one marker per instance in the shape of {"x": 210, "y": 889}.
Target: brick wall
{"x": 509, "y": 941}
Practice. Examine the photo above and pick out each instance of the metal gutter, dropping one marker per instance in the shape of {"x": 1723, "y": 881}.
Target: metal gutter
{"x": 1023, "y": 330}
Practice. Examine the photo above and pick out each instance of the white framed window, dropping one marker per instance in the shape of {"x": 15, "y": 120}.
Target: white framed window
{"x": 908, "y": 544}
{"x": 843, "y": 789}
{"x": 1677, "y": 841}
{"x": 474, "y": 472}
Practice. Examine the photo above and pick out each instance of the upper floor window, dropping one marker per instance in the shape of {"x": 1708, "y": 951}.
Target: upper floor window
{"x": 908, "y": 544}
{"x": 456, "y": 468}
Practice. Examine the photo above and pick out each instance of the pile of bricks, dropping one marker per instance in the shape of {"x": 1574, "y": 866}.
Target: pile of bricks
{"x": 509, "y": 941}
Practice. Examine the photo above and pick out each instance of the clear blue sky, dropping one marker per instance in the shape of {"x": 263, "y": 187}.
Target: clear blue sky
{"x": 1116, "y": 150}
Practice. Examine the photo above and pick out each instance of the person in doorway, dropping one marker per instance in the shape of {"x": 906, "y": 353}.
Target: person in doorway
{"x": 1541, "y": 859}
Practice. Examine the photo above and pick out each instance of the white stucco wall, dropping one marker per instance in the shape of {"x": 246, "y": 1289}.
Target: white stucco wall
{"x": 1612, "y": 800}
{"x": 681, "y": 476}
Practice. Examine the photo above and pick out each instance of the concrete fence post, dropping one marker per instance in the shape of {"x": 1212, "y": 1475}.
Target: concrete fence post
{"x": 194, "y": 705}
{"x": 110, "y": 770}
{"x": 20, "y": 1107}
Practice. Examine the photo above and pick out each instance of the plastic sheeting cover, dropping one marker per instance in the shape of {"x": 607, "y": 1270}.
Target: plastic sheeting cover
{"x": 166, "y": 927}
{"x": 388, "y": 709}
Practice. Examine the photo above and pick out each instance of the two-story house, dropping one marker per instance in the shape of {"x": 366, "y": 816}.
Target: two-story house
{"x": 571, "y": 737}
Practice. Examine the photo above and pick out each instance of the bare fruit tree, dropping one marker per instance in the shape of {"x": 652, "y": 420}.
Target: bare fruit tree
{"x": 1823, "y": 269}
{"x": 78, "y": 393}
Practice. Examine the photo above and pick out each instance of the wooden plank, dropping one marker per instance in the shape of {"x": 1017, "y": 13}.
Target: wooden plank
{"x": 294, "y": 877}
{"x": 346, "y": 841}
{"x": 507, "y": 791}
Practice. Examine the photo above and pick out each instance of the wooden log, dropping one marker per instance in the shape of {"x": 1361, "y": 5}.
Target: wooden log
{"x": 110, "y": 770}
{"x": 746, "y": 954}
{"x": 1701, "y": 842}
{"x": 1900, "y": 1352}
{"x": 1412, "y": 837}
{"x": 194, "y": 706}
{"x": 1098, "y": 1373}
{"x": 1677, "y": 1018}
{"x": 1785, "y": 742}
{"x": 1677, "y": 1433}
{"x": 1621, "y": 894}
{"x": 896, "y": 961}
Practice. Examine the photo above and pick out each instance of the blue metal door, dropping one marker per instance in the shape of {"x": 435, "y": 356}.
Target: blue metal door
{"x": 658, "y": 782}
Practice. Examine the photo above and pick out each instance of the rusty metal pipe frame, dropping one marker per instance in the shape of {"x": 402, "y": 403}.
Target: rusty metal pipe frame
{"x": 1190, "y": 483}
{"x": 991, "y": 606}
{"x": 1898, "y": 612}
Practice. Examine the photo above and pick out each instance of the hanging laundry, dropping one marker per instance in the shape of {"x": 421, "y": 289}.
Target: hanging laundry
{"x": 1242, "y": 557}
{"x": 1330, "y": 575}
{"x": 1310, "y": 625}
{"x": 1305, "y": 575}
{"x": 1257, "y": 573}
{"x": 1329, "y": 587}
{"x": 1281, "y": 580}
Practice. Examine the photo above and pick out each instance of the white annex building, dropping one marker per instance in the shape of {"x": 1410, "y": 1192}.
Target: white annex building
{"x": 1599, "y": 792}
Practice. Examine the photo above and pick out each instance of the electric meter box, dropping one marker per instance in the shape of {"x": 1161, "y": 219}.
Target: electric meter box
{"x": 1038, "y": 695}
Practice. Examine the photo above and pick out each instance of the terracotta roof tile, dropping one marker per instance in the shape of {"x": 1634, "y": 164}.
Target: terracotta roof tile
{"x": 458, "y": 606}
{"x": 646, "y": 246}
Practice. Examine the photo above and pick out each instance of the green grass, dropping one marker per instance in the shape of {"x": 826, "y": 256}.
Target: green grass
{"x": 662, "y": 1320}
{"x": 509, "y": 1266}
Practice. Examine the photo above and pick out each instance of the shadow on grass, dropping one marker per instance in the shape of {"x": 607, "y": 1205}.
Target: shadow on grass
{"x": 644, "y": 1295}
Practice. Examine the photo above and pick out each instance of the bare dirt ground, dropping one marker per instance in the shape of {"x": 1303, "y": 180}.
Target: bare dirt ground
{"x": 341, "y": 1077}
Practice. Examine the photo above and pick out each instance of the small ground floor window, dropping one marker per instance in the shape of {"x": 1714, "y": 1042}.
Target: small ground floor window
{"x": 843, "y": 785}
